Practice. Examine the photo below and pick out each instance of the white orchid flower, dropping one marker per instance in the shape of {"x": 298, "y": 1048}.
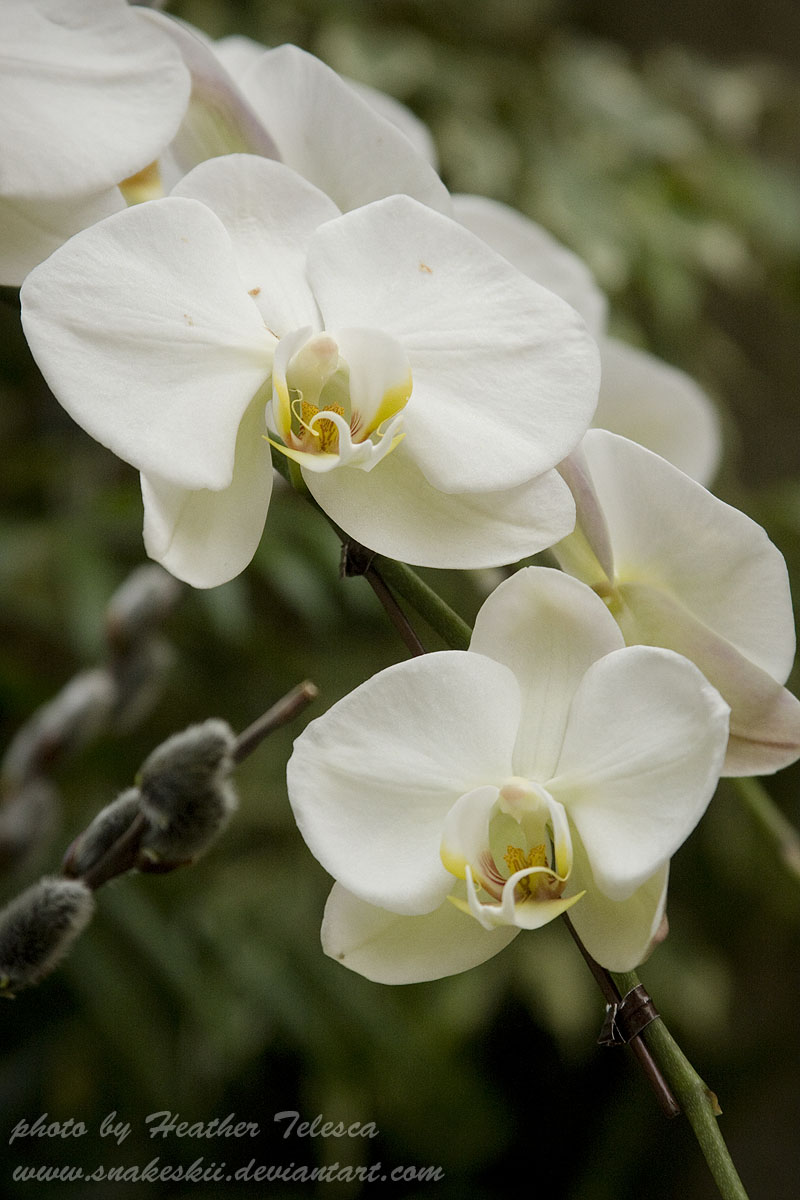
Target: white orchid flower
{"x": 641, "y": 397}
{"x": 91, "y": 92}
{"x": 679, "y": 568}
{"x": 459, "y": 797}
{"x": 425, "y": 389}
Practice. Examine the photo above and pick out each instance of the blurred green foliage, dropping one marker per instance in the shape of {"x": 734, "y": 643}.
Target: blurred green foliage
{"x": 206, "y": 992}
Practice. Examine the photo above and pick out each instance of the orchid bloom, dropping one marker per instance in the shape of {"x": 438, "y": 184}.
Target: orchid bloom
{"x": 679, "y": 568}
{"x": 425, "y": 390}
{"x": 459, "y": 797}
{"x": 641, "y": 397}
{"x": 111, "y": 104}
{"x": 91, "y": 92}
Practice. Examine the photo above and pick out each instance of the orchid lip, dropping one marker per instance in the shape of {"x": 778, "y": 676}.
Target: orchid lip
{"x": 512, "y": 846}
{"x": 338, "y": 400}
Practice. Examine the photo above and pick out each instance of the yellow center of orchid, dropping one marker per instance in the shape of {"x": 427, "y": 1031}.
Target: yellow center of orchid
{"x": 324, "y": 431}
{"x": 364, "y": 398}
{"x": 512, "y": 848}
{"x": 535, "y": 886}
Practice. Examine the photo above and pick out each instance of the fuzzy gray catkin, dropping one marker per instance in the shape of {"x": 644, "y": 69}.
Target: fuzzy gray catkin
{"x": 186, "y": 791}
{"x": 37, "y": 929}
{"x": 109, "y": 825}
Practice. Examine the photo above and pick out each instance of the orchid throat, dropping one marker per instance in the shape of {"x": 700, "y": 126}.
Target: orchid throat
{"x": 338, "y": 400}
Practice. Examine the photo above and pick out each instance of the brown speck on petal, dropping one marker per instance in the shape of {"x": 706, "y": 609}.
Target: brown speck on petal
{"x": 254, "y": 291}
{"x": 424, "y": 267}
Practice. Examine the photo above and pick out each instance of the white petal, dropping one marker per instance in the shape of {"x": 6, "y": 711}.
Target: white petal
{"x": 465, "y": 830}
{"x": 31, "y": 229}
{"x": 548, "y": 629}
{"x": 238, "y": 53}
{"x": 619, "y": 934}
{"x": 765, "y": 717}
{"x": 91, "y": 93}
{"x": 388, "y": 948}
{"x": 587, "y": 552}
{"x": 218, "y": 119}
{"x": 403, "y": 118}
{"x": 642, "y": 755}
{"x": 380, "y": 377}
{"x": 536, "y": 253}
{"x": 204, "y": 537}
{"x": 505, "y": 375}
{"x": 270, "y": 214}
{"x": 146, "y": 335}
{"x": 395, "y": 511}
{"x": 669, "y": 532}
{"x": 279, "y": 411}
{"x": 372, "y": 780}
{"x": 660, "y": 407}
{"x": 332, "y": 137}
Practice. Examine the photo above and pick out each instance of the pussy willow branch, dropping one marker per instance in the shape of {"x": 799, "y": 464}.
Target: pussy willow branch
{"x": 113, "y": 695}
{"x": 283, "y": 711}
{"x": 122, "y": 855}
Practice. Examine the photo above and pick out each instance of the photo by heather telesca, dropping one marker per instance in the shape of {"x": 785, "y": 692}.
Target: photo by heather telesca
{"x": 242, "y": 274}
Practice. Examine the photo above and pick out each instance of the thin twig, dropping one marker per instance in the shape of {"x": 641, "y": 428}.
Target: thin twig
{"x": 360, "y": 560}
{"x": 612, "y": 995}
{"x": 285, "y": 710}
{"x": 394, "y": 611}
{"x": 452, "y": 629}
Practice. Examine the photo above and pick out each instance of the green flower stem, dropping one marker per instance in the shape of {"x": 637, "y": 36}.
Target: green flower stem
{"x": 696, "y": 1098}
{"x": 771, "y": 822}
{"x": 425, "y": 601}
